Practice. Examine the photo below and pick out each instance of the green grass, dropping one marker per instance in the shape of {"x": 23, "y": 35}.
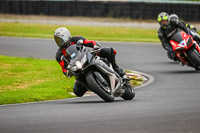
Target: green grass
{"x": 89, "y": 32}
{"x": 29, "y": 80}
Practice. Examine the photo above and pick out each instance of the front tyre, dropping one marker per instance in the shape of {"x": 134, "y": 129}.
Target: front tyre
{"x": 129, "y": 92}
{"x": 96, "y": 88}
{"x": 195, "y": 58}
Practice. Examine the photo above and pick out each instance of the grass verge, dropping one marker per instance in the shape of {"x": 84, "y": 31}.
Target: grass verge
{"x": 90, "y": 32}
{"x": 29, "y": 80}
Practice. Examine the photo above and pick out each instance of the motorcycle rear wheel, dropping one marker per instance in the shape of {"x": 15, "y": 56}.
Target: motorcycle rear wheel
{"x": 96, "y": 88}
{"x": 129, "y": 92}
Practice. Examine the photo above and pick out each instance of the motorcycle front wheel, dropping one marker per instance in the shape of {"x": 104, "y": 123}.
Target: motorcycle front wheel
{"x": 195, "y": 58}
{"x": 96, "y": 88}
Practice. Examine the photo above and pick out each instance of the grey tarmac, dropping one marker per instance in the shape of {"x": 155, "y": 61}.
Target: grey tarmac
{"x": 171, "y": 104}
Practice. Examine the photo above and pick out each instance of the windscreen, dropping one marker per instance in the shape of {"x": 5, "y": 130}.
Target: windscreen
{"x": 72, "y": 51}
{"x": 177, "y": 37}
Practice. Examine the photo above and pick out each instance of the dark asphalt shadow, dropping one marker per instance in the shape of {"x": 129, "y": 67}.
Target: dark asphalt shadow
{"x": 168, "y": 63}
{"x": 172, "y": 62}
{"x": 85, "y": 102}
{"x": 99, "y": 101}
{"x": 181, "y": 72}
{"x": 91, "y": 102}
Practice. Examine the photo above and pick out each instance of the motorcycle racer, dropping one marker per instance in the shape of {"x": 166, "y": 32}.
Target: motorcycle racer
{"x": 63, "y": 39}
{"x": 168, "y": 26}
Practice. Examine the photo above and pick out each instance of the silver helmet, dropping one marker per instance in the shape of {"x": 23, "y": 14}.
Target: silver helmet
{"x": 62, "y": 37}
{"x": 173, "y": 16}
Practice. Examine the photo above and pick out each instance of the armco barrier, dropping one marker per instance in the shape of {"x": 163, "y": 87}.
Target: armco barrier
{"x": 133, "y": 10}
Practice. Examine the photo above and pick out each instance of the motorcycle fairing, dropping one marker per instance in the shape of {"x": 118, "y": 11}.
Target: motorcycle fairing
{"x": 107, "y": 71}
{"x": 181, "y": 41}
{"x": 74, "y": 53}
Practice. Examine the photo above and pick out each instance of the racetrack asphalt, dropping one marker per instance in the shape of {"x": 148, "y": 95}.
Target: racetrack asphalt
{"x": 171, "y": 104}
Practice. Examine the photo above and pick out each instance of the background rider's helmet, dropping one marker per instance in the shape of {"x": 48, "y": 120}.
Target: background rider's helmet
{"x": 62, "y": 37}
{"x": 173, "y": 17}
{"x": 163, "y": 19}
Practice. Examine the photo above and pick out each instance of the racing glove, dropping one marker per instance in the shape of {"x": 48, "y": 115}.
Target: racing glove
{"x": 96, "y": 46}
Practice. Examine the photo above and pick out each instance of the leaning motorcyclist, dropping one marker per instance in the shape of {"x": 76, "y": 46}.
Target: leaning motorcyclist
{"x": 175, "y": 17}
{"x": 168, "y": 25}
{"x": 63, "y": 39}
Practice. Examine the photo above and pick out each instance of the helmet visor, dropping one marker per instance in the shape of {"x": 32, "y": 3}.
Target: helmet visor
{"x": 59, "y": 41}
{"x": 163, "y": 23}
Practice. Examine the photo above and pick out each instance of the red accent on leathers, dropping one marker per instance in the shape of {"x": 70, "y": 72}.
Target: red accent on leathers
{"x": 115, "y": 52}
{"x": 64, "y": 52}
{"x": 62, "y": 65}
{"x": 88, "y": 41}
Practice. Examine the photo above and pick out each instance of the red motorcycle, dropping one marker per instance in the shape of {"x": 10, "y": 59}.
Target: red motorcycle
{"x": 187, "y": 50}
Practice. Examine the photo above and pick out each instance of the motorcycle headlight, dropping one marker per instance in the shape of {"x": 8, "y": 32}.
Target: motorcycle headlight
{"x": 79, "y": 64}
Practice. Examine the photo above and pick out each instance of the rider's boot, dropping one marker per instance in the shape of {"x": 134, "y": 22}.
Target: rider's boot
{"x": 110, "y": 53}
{"x": 119, "y": 70}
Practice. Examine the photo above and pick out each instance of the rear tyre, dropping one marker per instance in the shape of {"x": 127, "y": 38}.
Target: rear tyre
{"x": 96, "y": 88}
{"x": 129, "y": 92}
{"x": 195, "y": 58}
